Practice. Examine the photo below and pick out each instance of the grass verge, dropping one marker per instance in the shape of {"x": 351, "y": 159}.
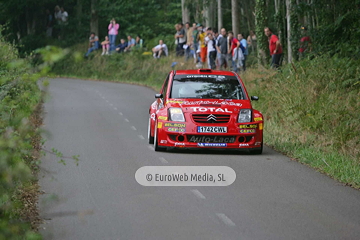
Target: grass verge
{"x": 312, "y": 108}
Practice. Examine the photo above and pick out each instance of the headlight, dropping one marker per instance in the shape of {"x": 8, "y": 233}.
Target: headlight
{"x": 176, "y": 114}
{"x": 244, "y": 116}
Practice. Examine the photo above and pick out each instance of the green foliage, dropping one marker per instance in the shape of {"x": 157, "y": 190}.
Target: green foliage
{"x": 261, "y": 21}
{"x": 18, "y": 97}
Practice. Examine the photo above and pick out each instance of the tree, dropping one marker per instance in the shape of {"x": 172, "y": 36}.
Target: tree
{"x": 219, "y": 13}
{"x": 185, "y": 12}
{"x": 94, "y": 22}
{"x": 235, "y": 16}
{"x": 261, "y": 23}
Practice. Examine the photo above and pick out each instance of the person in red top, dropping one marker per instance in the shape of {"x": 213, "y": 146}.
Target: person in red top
{"x": 274, "y": 47}
{"x": 233, "y": 44}
{"x": 305, "y": 43}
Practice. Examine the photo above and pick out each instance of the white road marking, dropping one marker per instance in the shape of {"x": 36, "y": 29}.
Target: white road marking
{"x": 163, "y": 160}
{"x": 126, "y": 120}
{"x": 141, "y": 137}
{"x": 133, "y": 128}
{"x": 120, "y": 113}
{"x": 225, "y": 219}
{"x": 151, "y": 148}
{"x": 115, "y": 108}
{"x": 198, "y": 194}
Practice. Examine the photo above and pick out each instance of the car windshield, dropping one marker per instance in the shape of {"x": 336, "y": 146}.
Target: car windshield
{"x": 206, "y": 87}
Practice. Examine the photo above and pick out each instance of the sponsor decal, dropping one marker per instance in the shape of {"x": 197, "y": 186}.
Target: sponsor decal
{"x": 174, "y": 101}
{"x": 247, "y": 130}
{"x": 214, "y": 139}
{"x": 243, "y": 145}
{"x": 258, "y": 119}
{"x": 159, "y": 124}
{"x": 248, "y": 126}
{"x": 162, "y": 118}
{"x": 152, "y": 116}
{"x": 179, "y": 144}
{"x": 153, "y": 106}
{"x": 212, "y": 102}
{"x": 212, "y": 144}
{"x": 176, "y": 130}
{"x": 181, "y": 125}
{"x": 261, "y": 126}
{"x": 206, "y": 109}
{"x": 205, "y": 76}
{"x": 163, "y": 141}
{"x": 257, "y": 143}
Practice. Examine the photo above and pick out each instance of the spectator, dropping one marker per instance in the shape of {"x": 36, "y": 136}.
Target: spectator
{"x": 305, "y": 43}
{"x": 211, "y": 50}
{"x": 113, "y": 32}
{"x": 203, "y": 49}
{"x": 122, "y": 46}
{"x": 222, "y": 48}
{"x": 180, "y": 39}
{"x": 195, "y": 41}
{"x": 160, "y": 50}
{"x": 235, "y": 52}
{"x": 64, "y": 16}
{"x": 274, "y": 47}
{"x": 49, "y": 23}
{"x": 244, "y": 48}
{"x": 105, "y": 46}
{"x": 138, "y": 42}
{"x": 93, "y": 43}
{"x": 251, "y": 40}
{"x": 189, "y": 40}
{"x": 131, "y": 43}
{"x": 58, "y": 20}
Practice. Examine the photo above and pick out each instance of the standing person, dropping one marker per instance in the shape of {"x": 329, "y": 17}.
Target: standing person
{"x": 180, "y": 39}
{"x": 113, "y": 32}
{"x": 49, "y": 23}
{"x": 235, "y": 52}
{"x": 305, "y": 43}
{"x": 189, "y": 40}
{"x": 195, "y": 41}
{"x": 93, "y": 43}
{"x": 203, "y": 49}
{"x": 274, "y": 47}
{"x": 64, "y": 16}
{"x": 211, "y": 50}
{"x": 105, "y": 46}
{"x": 251, "y": 40}
{"x": 58, "y": 20}
{"x": 222, "y": 48}
{"x": 243, "y": 42}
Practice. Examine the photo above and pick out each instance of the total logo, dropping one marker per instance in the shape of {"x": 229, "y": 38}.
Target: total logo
{"x": 210, "y": 109}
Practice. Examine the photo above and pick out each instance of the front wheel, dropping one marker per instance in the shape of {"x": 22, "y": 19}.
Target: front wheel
{"x": 150, "y": 138}
{"x": 259, "y": 150}
{"x": 156, "y": 141}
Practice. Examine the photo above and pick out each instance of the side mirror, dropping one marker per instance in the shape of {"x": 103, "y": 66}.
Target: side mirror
{"x": 158, "y": 95}
{"x": 254, "y": 98}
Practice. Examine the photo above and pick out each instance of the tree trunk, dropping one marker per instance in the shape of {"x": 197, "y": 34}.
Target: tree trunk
{"x": 288, "y": 27}
{"x": 235, "y": 17}
{"x": 79, "y": 11}
{"x": 260, "y": 24}
{"x": 94, "y": 22}
{"x": 220, "y": 17}
{"x": 185, "y": 12}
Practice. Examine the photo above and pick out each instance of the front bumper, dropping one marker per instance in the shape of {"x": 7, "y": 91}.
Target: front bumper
{"x": 238, "y": 136}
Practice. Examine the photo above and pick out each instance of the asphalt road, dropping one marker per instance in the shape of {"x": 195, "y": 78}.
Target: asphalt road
{"x": 106, "y": 124}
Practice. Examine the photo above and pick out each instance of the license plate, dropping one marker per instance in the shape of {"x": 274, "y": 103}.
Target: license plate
{"x": 212, "y": 129}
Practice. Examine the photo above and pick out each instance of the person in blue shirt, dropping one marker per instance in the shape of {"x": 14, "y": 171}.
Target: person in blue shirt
{"x": 130, "y": 44}
{"x": 244, "y": 48}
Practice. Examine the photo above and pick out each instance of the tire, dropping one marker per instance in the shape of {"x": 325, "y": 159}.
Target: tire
{"x": 156, "y": 140}
{"x": 150, "y": 138}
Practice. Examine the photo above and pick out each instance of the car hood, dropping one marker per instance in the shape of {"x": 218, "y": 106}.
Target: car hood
{"x": 219, "y": 106}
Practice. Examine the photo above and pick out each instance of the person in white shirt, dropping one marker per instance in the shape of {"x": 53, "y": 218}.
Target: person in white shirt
{"x": 211, "y": 50}
{"x": 64, "y": 16}
{"x": 160, "y": 50}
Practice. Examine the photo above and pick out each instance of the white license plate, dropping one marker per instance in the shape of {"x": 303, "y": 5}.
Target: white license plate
{"x": 212, "y": 129}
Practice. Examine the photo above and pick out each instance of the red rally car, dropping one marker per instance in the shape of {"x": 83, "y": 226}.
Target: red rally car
{"x": 205, "y": 109}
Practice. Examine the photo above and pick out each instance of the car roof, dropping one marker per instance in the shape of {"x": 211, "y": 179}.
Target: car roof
{"x": 204, "y": 71}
